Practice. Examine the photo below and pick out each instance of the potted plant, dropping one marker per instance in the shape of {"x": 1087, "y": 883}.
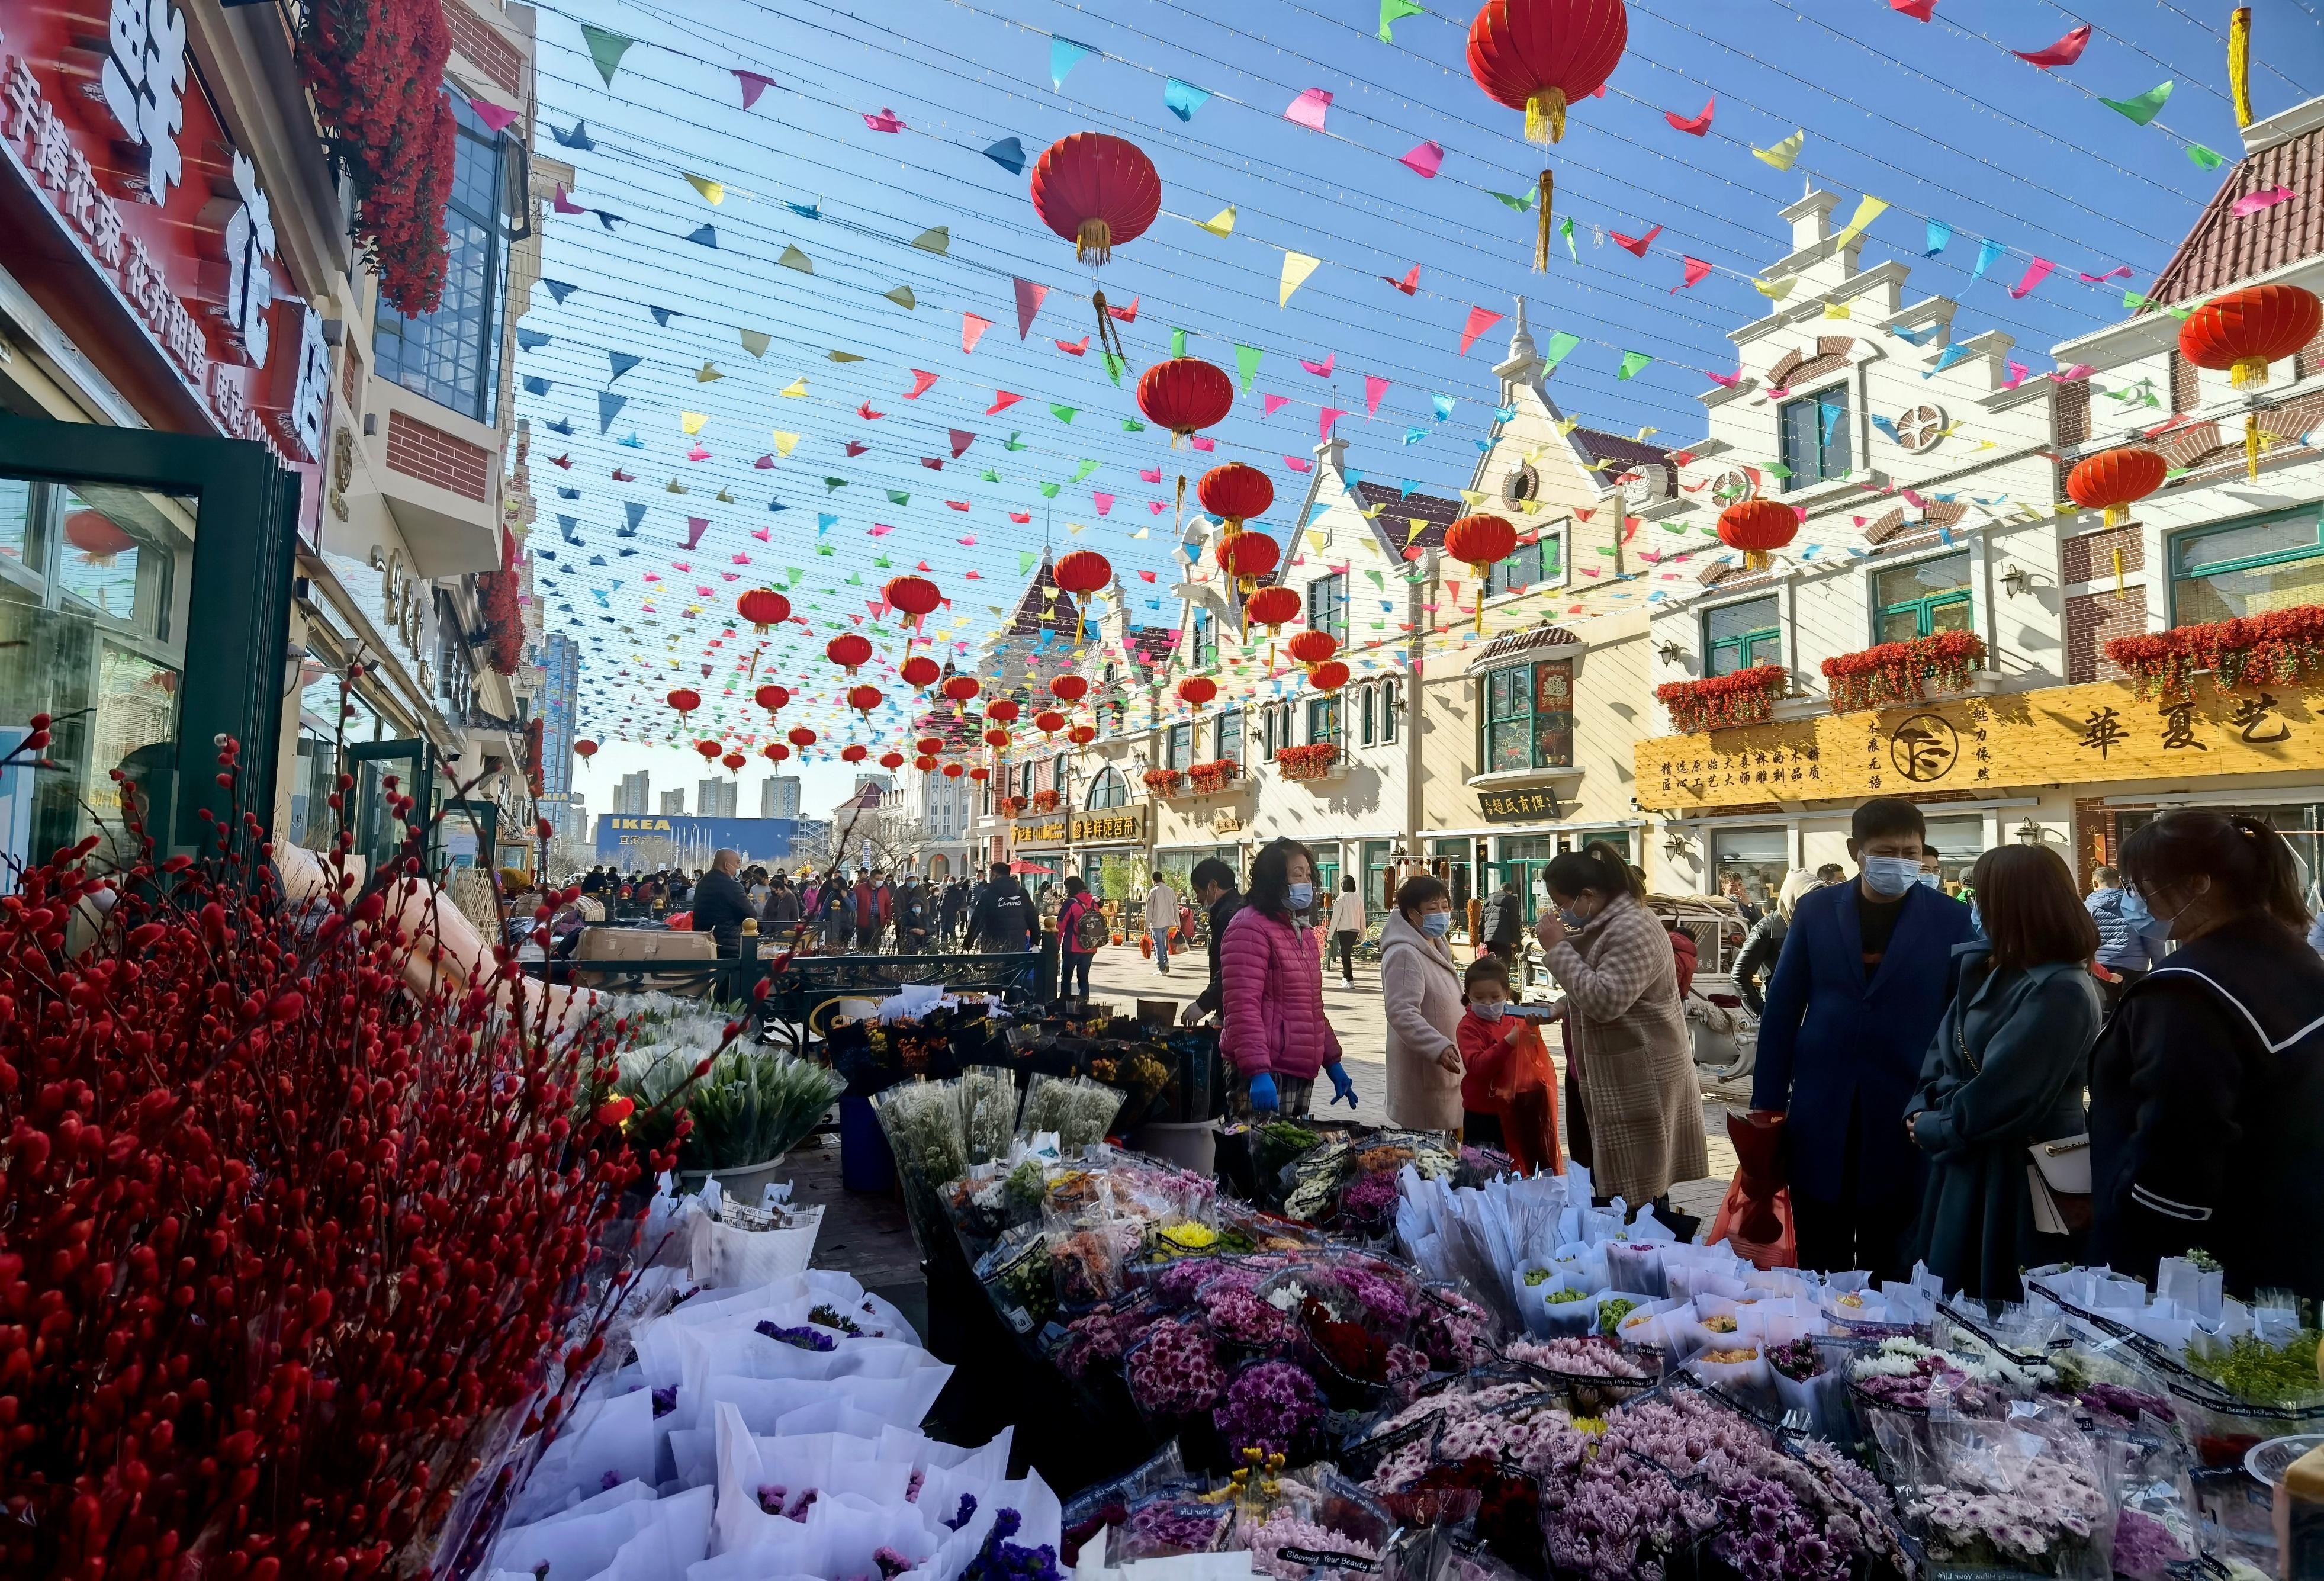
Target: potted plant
{"x": 1014, "y": 806}
{"x": 1722, "y": 702}
{"x": 1164, "y": 782}
{"x": 1902, "y": 672}
{"x": 1311, "y": 762}
{"x": 1215, "y": 776}
{"x": 1045, "y": 801}
{"x": 2282, "y": 647}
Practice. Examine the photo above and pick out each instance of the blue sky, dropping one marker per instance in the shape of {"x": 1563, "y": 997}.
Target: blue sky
{"x": 1936, "y": 118}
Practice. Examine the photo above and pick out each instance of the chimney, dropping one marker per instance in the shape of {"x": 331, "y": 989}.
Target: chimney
{"x": 1811, "y": 218}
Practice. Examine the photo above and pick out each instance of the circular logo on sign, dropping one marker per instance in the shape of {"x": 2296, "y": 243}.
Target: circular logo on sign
{"x": 1923, "y": 747}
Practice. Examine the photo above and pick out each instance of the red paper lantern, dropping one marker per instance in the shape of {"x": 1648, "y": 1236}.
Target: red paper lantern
{"x": 848, "y": 650}
{"x": 1311, "y": 648}
{"x": 915, "y": 596}
{"x": 1069, "y": 688}
{"x": 1081, "y": 735}
{"x": 960, "y": 688}
{"x": 980, "y": 773}
{"x": 864, "y": 698}
{"x": 1183, "y": 394}
{"x": 891, "y": 761}
{"x": 1328, "y": 677}
{"x": 1097, "y": 192}
{"x": 1248, "y": 557}
{"x": 1082, "y": 571}
{"x": 97, "y": 537}
{"x": 1539, "y": 56}
{"x": 735, "y": 762}
{"x": 853, "y": 753}
{"x": 774, "y": 751}
{"x": 1758, "y": 527}
{"x": 1002, "y": 710}
{"x": 996, "y": 739}
{"x": 2115, "y": 480}
{"x": 685, "y": 699}
{"x": 954, "y": 771}
{"x": 763, "y": 607}
{"x": 928, "y": 745}
{"x": 2245, "y": 330}
{"x": 801, "y": 737}
{"x": 920, "y": 671}
{"x": 1272, "y": 607}
{"x": 1197, "y": 690}
{"x": 1235, "y": 492}
{"x": 1478, "y": 541}
{"x": 926, "y": 765}
{"x": 584, "y": 749}
{"x": 709, "y": 749}
{"x": 773, "y": 697}
{"x": 1049, "y": 721}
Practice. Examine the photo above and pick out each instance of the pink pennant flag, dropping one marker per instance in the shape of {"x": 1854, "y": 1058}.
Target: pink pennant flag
{"x": 972, "y": 330}
{"x": 1918, "y": 10}
{"x": 1424, "y": 161}
{"x": 1127, "y": 315}
{"x": 1203, "y": 442}
{"x": 1636, "y": 245}
{"x": 764, "y": 534}
{"x": 1728, "y": 380}
{"x": 879, "y": 529}
{"x": 1104, "y": 503}
{"x": 1308, "y": 108}
{"x": 2089, "y": 279}
{"x": 1273, "y": 401}
{"x": 961, "y": 441}
{"x": 1410, "y": 284}
{"x": 2065, "y": 53}
{"x": 1299, "y": 464}
{"x": 2036, "y": 272}
{"x": 1156, "y": 507}
{"x": 1146, "y": 575}
{"x": 2268, "y": 197}
{"x": 1028, "y": 303}
{"x": 1374, "y": 388}
{"x": 967, "y": 542}
{"x": 1150, "y": 474}
{"x": 1074, "y": 347}
{"x": 565, "y": 205}
{"x": 695, "y": 526}
{"x": 1002, "y": 400}
{"x": 921, "y": 380}
{"x": 955, "y": 504}
{"x": 493, "y": 116}
{"x": 1322, "y": 370}
{"x": 765, "y": 462}
{"x": 1326, "y": 418}
{"x": 1697, "y": 126}
{"x": 1480, "y": 320}
{"x": 885, "y": 121}
{"x": 753, "y": 85}
{"x": 2078, "y": 371}
{"x": 2017, "y": 372}
{"x": 697, "y": 453}
{"x": 1695, "y": 269}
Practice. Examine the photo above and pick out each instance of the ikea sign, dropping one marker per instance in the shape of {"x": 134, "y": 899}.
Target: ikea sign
{"x": 650, "y": 840}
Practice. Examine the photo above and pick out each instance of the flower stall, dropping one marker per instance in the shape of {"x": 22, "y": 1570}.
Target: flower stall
{"x": 1722, "y": 702}
{"x": 1911, "y": 671}
{"x": 2284, "y": 647}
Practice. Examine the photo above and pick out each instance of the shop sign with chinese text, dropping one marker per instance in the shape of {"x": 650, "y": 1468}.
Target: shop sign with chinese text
{"x": 2058, "y": 736}
{"x": 1119, "y": 825}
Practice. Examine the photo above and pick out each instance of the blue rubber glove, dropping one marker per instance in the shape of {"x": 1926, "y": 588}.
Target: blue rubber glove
{"x": 1343, "y": 1089}
{"x": 1263, "y": 1095}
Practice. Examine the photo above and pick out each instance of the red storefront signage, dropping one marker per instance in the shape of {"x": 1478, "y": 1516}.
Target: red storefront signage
{"x": 103, "y": 118}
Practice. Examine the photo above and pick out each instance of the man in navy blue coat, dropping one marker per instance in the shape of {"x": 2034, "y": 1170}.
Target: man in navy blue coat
{"x": 1860, "y": 988}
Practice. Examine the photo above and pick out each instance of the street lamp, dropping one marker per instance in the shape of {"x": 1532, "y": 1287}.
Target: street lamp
{"x": 2031, "y": 833}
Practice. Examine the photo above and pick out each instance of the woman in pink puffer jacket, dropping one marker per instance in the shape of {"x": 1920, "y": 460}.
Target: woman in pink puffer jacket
{"x": 1274, "y": 1033}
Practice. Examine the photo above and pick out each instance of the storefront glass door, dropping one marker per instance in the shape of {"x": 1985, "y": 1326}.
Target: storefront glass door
{"x": 380, "y": 834}
{"x": 465, "y": 836}
{"x": 1523, "y": 858}
{"x": 1452, "y": 861}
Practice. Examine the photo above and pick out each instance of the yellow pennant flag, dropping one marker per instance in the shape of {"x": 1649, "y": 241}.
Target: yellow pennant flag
{"x": 692, "y": 421}
{"x": 1569, "y": 425}
{"x": 1140, "y": 533}
{"x": 796, "y": 387}
{"x": 1296, "y": 268}
{"x": 673, "y": 486}
{"x": 1836, "y": 310}
{"x": 1075, "y": 527}
{"x": 1419, "y": 525}
{"x": 756, "y": 341}
{"x": 712, "y": 192}
{"x": 1472, "y": 496}
{"x": 1221, "y": 224}
{"x": 709, "y": 373}
{"x": 1529, "y": 506}
{"x": 1867, "y": 209}
{"x": 1783, "y": 153}
{"x": 1775, "y": 292}
{"x": 785, "y": 443}
{"x": 1315, "y": 540}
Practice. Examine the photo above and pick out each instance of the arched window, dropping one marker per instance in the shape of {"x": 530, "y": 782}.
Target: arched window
{"x": 1108, "y": 790}
{"x": 1387, "y": 710}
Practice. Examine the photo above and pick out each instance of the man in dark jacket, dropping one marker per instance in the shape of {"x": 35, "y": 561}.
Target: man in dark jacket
{"x": 720, "y": 905}
{"x": 1212, "y": 883}
{"x": 1003, "y": 922}
{"x": 948, "y": 912}
{"x": 1503, "y": 925}
{"x": 781, "y": 914}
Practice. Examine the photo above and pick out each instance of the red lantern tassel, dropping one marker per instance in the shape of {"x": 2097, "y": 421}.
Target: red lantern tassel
{"x": 2251, "y": 446}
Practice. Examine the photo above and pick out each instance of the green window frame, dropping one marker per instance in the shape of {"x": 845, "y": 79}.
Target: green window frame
{"x": 1737, "y": 636}
{"x": 1817, "y": 443}
{"x": 1323, "y": 720}
{"x": 1923, "y": 598}
{"x": 1388, "y": 691}
{"x": 1526, "y": 720}
{"x": 1327, "y": 605}
{"x": 1533, "y": 565}
{"x": 2254, "y": 565}
{"x": 1178, "y": 746}
{"x": 1227, "y": 740}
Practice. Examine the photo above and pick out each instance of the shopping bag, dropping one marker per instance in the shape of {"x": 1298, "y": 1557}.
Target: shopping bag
{"x": 1758, "y": 1172}
{"x": 1526, "y": 1092}
{"x": 1780, "y": 1250}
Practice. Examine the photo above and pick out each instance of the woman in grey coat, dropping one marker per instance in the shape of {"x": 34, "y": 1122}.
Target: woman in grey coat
{"x": 2005, "y": 1072}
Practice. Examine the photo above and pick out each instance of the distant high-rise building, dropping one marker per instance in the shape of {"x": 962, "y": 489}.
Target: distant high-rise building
{"x": 778, "y": 796}
{"x": 673, "y": 802}
{"x": 561, "y": 695}
{"x": 714, "y": 798}
{"x": 634, "y": 794}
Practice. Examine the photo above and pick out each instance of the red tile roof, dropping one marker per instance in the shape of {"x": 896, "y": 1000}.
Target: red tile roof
{"x": 2221, "y": 250}
{"x": 1623, "y": 451}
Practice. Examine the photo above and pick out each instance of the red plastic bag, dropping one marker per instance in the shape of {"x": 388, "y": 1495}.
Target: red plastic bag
{"x": 1526, "y": 1092}
{"x": 1736, "y": 1207}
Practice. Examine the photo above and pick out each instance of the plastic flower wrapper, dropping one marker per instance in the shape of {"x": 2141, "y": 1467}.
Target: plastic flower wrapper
{"x": 1016, "y": 1275}
{"x": 1368, "y": 1204}
{"x": 1453, "y": 1328}
{"x": 2155, "y": 1522}
{"x": 1077, "y": 1111}
{"x": 1167, "y": 1523}
{"x": 1238, "y": 1314}
{"x": 2028, "y": 1498}
{"x": 922, "y": 1122}
{"x": 1272, "y": 1406}
{"x": 1173, "y": 1370}
{"x": 1811, "y": 1376}
{"x": 1096, "y": 1340}
{"x": 988, "y": 1109}
{"x": 1636, "y": 1265}
{"x": 1108, "y": 1503}
{"x": 1508, "y": 1517}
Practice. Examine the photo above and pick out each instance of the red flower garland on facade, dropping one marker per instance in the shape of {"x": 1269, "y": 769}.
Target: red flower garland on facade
{"x": 1163, "y": 782}
{"x": 1902, "y": 672}
{"x": 1311, "y": 761}
{"x": 533, "y": 733}
{"x": 376, "y": 69}
{"x": 1215, "y": 776}
{"x": 1045, "y": 801}
{"x": 2281, "y": 648}
{"x": 1013, "y": 806}
{"x": 1722, "y": 702}
{"x": 496, "y": 591}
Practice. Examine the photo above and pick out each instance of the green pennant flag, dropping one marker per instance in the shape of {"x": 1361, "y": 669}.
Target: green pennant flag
{"x": 1633, "y": 363}
{"x": 1113, "y": 366}
{"x": 902, "y": 297}
{"x": 938, "y": 239}
{"x": 855, "y": 578}
{"x": 795, "y": 574}
{"x": 1063, "y": 413}
{"x": 1130, "y": 425}
{"x": 831, "y": 484}
{"x": 1177, "y": 343}
{"x": 606, "y": 48}
{"x": 1522, "y": 203}
{"x": 1565, "y": 229}
{"x": 1087, "y": 466}
{"x": 792, "y": 258}
{"x": 989, "y": 476}
{"x": 896, "y": 496}
{"x": 2203, "y": 158}
{"x": 1049, "y": 490}
{"x": 823, "y": 549}
{"x": 2145, "y": 108}
{"x": 1247, "y": 357}
{"x": 1375, "y": 579}
{"x": 1015, "y": 441}
{"x": 882, "y": 563}
{"x": 1396, "y": 11}
{"x": 1025, "y": 558}
{"x": 1555, "y": 351}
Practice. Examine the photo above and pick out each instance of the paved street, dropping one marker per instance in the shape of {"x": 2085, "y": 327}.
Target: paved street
{"x": 1122, "y": 974}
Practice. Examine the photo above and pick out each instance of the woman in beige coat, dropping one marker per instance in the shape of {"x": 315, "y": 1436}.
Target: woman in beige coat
{"x": 1420, "y": 989}
{"x": 1620, "y": 978}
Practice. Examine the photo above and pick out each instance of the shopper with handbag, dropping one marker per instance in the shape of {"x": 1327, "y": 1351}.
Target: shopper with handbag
{"x": 1420, "y": 992}
{"x": 2001, "y": 1090}
{"x": 2206, "y": 1088}
{"x": 1082, "y": 929}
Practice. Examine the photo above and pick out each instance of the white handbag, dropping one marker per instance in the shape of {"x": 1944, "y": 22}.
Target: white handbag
{"x": 2059, "y": 1179}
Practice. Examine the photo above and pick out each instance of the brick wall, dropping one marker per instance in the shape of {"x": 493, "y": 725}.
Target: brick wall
{"x": 480, "y": 42}
{"x": 2094, "y": 619}
{"x": 2186, "y": 392}
{"x": 2073, "y": 411}
{"x": 432, "y": 456}
{"x": 2310, "y": 361}
{"x": 2089, "y": 558}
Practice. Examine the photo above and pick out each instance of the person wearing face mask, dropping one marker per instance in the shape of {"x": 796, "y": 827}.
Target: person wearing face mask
{"x": 1420, "y": 989}
{"x": 1612, "y": 958}
{"x": 1274, "y": 1033}
{"x": 2206, "y": 1088}
{"x": 2126, "y": 952}
{"x": 1863, "y": 980}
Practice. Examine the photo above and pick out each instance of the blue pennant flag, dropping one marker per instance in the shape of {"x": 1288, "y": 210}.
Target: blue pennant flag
{"x": 707, "y": 234}
{"x": 609, "y": 406}
{"x": 1987, "y": 253}
{"x": 1946, "y": 358}
{"x": 568, "y": 494}
{"x": 563, "y": 425}
{"x": 1182, "y": 99}
{"x": 1920, "y": 337}
{"x": 531, "y": 340}
{"x": 622, "y": 362}
{"x": 534, "y": 385}
{"x": 1008, "y": 155}
{"x": 1064, "y": 56}
{"x": 566, "y": 526}
{"x": 662, "y": 315}
{"x": 1443, "y": 404}
{"x": 1940, "y": 234}
{"x": 635, "y": 511}
{"x": 777, "y": 505}
{"x": 631, "y": 440}
{"x": 559, "y": 290}
{"x": 607, "y": 218}
{"x": 577, "y": 138}
{"x": 804, "y": 210}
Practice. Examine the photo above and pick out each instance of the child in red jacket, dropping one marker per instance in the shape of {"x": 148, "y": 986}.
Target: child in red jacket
{"x": 1506, "y": 1101}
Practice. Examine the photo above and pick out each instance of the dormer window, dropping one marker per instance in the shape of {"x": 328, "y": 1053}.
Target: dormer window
{"x": 1814, "y": 432}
